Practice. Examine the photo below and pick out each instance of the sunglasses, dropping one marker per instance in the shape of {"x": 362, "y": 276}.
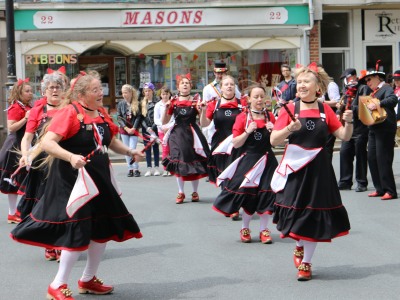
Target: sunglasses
{"x": 368, "y": 79}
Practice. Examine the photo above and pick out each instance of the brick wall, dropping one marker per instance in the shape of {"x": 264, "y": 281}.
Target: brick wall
{"x": 314, "y": 42}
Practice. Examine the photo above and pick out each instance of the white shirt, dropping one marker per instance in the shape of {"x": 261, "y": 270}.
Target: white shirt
{"x": 333, "y": 91}
{"x": 159, "y": 110}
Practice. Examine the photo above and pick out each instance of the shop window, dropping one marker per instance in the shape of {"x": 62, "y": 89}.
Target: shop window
{"x": 335, "y": 30}
{"x": 149, "y": 68}
{"x": 384, "y": 53}
{"x": 119, "y": 75}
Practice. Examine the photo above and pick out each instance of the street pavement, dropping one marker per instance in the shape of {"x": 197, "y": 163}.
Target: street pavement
{"x": 191, "y": 252}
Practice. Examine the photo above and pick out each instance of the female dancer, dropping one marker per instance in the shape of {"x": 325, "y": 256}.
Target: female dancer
{"x": 128, "y": 114}
{"x": 246, "y": 181}
{"x": 159, "y": 111}
{"x": 308, "y": 205}
{"x": 148, "y": 127}
{"x": 381, "y": 136}
{"x": 188, "y": 148}
{"x": 223, "y": 111}
{"x": 75, "y": 143}
{"x": 17, "y": 116}
{"x": 33, "y": 186}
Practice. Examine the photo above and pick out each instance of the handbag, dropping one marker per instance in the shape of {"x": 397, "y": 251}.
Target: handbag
{"x": 368, "y": 117}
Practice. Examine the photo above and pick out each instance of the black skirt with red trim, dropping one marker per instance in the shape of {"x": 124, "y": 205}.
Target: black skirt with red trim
{"x": 310, "y": 206}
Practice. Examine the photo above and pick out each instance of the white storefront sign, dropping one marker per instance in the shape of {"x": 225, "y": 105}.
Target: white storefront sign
{"x": 160, "y": 18}
{"x": 382, "y": 25}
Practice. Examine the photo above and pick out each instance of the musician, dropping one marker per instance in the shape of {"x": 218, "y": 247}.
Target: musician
{"x": 357, "y": 145}
{"x": 381, "y": 136}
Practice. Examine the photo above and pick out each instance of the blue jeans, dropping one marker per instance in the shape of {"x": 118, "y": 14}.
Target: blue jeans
{"x": 156, "y": 152}
{"x": 131, "y": 142}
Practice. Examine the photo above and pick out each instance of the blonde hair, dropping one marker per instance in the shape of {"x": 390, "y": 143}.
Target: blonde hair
{"x": 144, "y": 102}
{"x": 322, "y": 78}
{"x": 135, "y": 98}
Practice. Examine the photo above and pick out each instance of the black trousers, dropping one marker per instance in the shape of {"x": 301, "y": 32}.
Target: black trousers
{"x": 380, "y": 160}
{"x": 356, "y": 147}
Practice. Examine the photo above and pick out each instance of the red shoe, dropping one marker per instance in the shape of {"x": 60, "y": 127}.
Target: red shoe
{"x": 374, "y": 194}
{"x": 304, "y": 273}
{"x": 265, "y": 237}
{"x": 245, "y": 236}
{"x": 62, "y": 293}
{"x": 50, "y": 254}
{"x": 13, "y": 219}
{"x": 195, "y": 197}
{"x": 387, "y": 196}
{"x": 180, "y": 198}
{"x": 94, "y": 286}
{"x": 298, "y": 255}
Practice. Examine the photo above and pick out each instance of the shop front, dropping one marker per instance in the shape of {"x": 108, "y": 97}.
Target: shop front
{"x": 157, "y": 44}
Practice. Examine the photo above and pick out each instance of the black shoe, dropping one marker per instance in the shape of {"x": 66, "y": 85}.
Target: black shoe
{"x": 344, "y": 187}
{"x": 136, "y": 173}
{"x": 130, "y": 173}
{"x": 361, "y": 188}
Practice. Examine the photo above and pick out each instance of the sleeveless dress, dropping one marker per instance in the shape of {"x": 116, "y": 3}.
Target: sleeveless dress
{"x": 9, "y": 158}
{"x": 102, "y": 219}
{"x": 224, "y": 118}
{"x": 188, "y": 148}
{"x": 246, "y": 181}
{"x": 32, "y": 187}
{"x": 310, "y": 206}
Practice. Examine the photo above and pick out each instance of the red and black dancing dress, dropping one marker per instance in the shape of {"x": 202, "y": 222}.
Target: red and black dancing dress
{"x": 224, "y": 116}
{"x": 246, "y": 181}
{"x": 32, "y": 187}
{"x": 309, "y": 207}
{"x": 9, "y": 157}
{"x": 104, "y": 217}
{"x": 188, "y": 148}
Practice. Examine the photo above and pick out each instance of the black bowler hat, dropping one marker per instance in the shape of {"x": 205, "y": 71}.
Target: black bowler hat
{"x": 396, "y": 75}
{"x": 348, "y": 72}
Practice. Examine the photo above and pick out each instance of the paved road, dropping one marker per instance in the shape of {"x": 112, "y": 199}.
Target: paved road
{"x": 191, "y": 252}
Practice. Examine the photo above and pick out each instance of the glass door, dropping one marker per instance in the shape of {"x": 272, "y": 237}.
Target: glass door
{"x": 334, "y": 64}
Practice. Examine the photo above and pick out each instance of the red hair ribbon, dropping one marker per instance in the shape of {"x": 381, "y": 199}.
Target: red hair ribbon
{"x": 377, "y": 65}
{"x": 21, "y": 81}
{"x": 313, "y": 66}
{"x": 81, "y": 74}
{"x": 179, "y": 77}
{"x": 60, "y": 70}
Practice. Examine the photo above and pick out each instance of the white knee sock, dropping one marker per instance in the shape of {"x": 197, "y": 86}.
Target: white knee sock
{"x": 12, "y": 203}
{"x": 181, "y": 184}
{"x": 300, "y": 243}
{"x": 309, "y": 248}
{"x": 246, "y": 220}
{"x": 195, "y": 185}
{"x": 264, "y": 219}
{"x": 95, "y": 253}
{"x": 67, "y": 261}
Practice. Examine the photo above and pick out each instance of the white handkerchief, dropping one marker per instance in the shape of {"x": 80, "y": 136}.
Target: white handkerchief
{"x": 225, "y": 147}
{"x": 197, "y": 145}
{"x": 229, "y": 171}
{"x": 294, "y": 159}
{"x": 84, "y": 190}
{"x": 252, "y": 178}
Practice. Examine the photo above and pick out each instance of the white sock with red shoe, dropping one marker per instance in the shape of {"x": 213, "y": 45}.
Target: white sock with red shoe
{"x": 95, "y": 253}
{"x": 12, "y": 204}
{"x": 309, "y": 248}
{"x": 67, "y": 261}
{"x": 246, "y": 220}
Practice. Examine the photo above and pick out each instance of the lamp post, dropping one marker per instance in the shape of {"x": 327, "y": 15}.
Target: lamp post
{"x": 11, "y": 69}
